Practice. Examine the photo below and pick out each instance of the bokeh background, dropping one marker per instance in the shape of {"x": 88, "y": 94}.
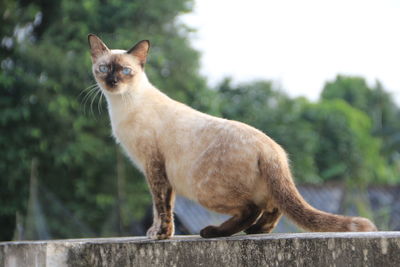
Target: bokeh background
{"x": 61, "y": 174}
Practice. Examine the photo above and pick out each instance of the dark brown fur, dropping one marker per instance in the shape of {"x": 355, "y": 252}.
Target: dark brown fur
{"x": 266, "y": 223}
{"x": 140, "y": 51}
{"x": 163, "y": 197}
{"x": 235, "y": 224}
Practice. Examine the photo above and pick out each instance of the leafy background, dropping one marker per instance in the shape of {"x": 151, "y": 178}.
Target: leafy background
{"x": 55, "y": 136}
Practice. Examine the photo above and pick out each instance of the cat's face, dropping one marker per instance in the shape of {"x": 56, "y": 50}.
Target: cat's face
{"x": 117, "y": 71}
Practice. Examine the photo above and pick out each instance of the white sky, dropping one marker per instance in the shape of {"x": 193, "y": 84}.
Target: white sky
{"x": 299, "y": 44}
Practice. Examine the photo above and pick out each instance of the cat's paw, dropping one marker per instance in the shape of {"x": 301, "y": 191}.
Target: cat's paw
{"x": 212, "y": 231}
{"x": 255, "y": 229}
{"x": 158, "y": 233}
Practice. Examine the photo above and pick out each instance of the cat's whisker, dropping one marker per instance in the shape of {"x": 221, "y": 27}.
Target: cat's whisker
{"x": 93, "y": 99}
{"x": 90, "y": 86}
{"x": 87, "y": 89}
{"x": 86, "y": 98}
{"x": 99, "y": 104}
{"x": 87, "y": 92}
{"x": 83, "y": 103}
{"x": 88, "y": 95}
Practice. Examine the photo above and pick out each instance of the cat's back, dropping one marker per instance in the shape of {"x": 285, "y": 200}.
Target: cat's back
{"x": 188, "y": 131}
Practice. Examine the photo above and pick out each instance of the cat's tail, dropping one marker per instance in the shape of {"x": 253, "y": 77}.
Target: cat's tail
{"x": 291, "y": 203}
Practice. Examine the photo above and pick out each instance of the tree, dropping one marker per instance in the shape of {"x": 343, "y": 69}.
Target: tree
{"x": 346, "y": 150}
{"x": 377, "y": 103}
{"x": 353, "y": 90}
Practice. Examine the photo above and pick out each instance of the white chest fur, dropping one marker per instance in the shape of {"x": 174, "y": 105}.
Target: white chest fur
{"x": 123, "y": 129}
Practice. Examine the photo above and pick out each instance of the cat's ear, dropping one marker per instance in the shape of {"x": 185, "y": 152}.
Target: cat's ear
{"x": 140, "y": 50}
{"x": 97, "y": 47}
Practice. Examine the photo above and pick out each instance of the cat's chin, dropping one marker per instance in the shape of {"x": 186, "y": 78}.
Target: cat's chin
{"x": 114, "y": 90}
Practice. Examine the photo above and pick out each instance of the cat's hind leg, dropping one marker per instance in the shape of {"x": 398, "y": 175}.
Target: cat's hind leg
{"x": 235, "y": 224}
{"x": 266, "y": 223}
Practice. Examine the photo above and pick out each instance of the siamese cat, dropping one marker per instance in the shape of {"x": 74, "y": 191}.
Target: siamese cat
{"x": 226, "y": 166}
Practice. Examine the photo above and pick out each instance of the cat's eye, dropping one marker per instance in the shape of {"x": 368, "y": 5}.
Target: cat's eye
{"x": 126, "y": 71}
{"x": 103, "y": 68}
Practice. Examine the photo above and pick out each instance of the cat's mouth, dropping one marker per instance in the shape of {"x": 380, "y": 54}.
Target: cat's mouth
{"x": 111, "y": 83}
{"x": 113, "y": 88}
{"x": 105, "y": 88}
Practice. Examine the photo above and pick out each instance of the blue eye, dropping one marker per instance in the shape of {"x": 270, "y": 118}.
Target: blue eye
{"x": 103, "y": 68}
{"x": 126, "y": 71}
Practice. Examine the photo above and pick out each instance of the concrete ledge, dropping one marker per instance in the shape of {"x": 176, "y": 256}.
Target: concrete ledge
{"x": 306, "y": 249}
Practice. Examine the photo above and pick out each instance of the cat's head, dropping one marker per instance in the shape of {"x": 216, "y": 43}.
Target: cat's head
{"x": 117, "y": 71}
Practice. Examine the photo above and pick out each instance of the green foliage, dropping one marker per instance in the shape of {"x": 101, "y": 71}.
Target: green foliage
{"x": 346, "y": 149}
{"x": 56, "y": 133}
{"x": 353, "y": 90}
{"x": 380, "y": 107}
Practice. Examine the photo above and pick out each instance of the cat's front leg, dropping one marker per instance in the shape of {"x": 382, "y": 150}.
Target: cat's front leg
{"x": 163, "y": 200}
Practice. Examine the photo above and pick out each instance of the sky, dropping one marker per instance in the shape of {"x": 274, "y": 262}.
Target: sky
{"x": 298, "y": 44}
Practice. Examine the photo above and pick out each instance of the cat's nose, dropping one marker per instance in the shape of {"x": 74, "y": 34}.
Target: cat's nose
{"x": 112, "y": 81}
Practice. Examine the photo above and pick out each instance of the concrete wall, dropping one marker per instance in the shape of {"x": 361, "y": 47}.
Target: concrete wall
{"x": 307, "y": 249}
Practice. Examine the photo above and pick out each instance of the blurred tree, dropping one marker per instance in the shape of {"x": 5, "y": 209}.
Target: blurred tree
{"x": 15, "y": 140}
{"x": 353, "y": 90}
{"x": 45, "y": 65}
{"x": 346, "y": 149}
{"x": 377, "y": 103}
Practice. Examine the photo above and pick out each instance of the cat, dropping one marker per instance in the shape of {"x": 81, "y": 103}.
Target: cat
{"x": 226, "y": 166}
